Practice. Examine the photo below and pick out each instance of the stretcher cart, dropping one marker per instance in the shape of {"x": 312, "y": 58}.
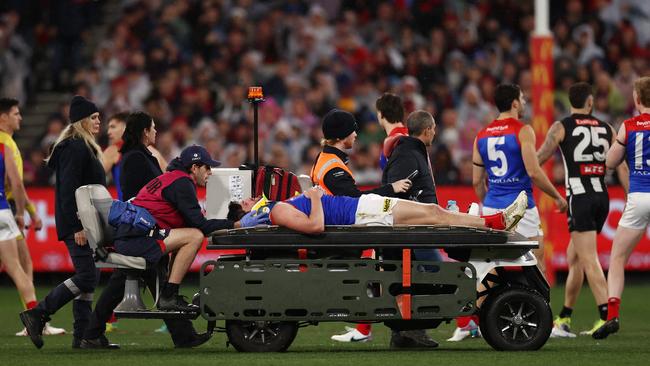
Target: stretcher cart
{"x": 288, "y": 280}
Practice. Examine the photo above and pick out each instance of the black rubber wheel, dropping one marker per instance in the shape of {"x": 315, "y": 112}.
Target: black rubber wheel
{"x": 516, "y": 319}
{"x": 261, "y": 336}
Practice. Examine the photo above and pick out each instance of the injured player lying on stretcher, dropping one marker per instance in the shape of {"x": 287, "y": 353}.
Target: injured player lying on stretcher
{"x": 310, "y": 212}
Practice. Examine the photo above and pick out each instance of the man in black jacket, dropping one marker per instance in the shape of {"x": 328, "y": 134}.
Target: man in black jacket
{"x": 411, "y": 155}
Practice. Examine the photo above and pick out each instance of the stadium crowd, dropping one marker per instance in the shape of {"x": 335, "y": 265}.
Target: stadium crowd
{"x": 188, "y": 64}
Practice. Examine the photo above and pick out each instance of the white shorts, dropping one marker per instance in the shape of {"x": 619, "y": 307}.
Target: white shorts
{"x": 637, "y": 211}
{"x": 375, "y": 210}
{"x": 8, "y": 227}
{"x": 530, "y": 226}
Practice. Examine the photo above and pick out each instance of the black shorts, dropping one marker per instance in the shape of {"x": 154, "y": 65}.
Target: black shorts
{"x": 587, "y": 212}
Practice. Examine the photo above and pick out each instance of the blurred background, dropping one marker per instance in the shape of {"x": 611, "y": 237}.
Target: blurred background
{"x": 188, "y": 63}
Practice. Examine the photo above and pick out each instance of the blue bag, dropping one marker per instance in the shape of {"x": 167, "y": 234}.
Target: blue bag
{"x": 129, "y": 214}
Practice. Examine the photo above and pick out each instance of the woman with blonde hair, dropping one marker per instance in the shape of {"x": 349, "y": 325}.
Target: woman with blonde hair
{"x": 77, "y": 160}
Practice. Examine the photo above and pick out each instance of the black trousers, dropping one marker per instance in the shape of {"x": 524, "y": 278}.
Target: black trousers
{"x": 79, "y": 287}
{"x": 181, "y": 330}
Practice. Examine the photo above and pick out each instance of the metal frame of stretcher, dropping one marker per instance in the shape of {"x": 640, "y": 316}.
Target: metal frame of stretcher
{"x": 483, "y": 249}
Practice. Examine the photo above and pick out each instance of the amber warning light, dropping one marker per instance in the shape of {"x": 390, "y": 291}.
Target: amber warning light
{"x": 255, "y": 93}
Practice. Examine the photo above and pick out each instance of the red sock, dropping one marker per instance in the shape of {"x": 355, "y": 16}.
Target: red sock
{"x": 364, "y": 328}
{"x": 113, "y": 319}
{"x": 30, "y": 305}
{"x": 495, "y": 221}
{"x": 613, "y": 305}
{"x": 463, "y": 321}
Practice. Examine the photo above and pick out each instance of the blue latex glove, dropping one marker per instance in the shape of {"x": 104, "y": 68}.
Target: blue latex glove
{"x": 254, "y": 218}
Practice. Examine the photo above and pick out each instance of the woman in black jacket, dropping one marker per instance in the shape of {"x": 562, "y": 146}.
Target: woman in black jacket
{"x": 76, "y": 160}
{"x": 138, "y": 165}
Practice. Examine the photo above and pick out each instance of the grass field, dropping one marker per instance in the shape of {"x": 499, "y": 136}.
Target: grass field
{"x": 142, "y": 347}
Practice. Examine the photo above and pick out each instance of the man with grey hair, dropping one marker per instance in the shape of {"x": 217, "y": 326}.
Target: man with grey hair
{"x": 409, "y": 156}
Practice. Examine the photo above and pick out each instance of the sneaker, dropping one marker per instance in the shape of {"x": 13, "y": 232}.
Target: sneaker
{"x": 34, "y": 322}
{"x": 412, "y": 339}
{"x": 197, "y": 340}
{"x": 22, "y": 333}
{"x": 609, "y": 327}
{"x": 562, "y": 328}
{"x": 352, "y": 335}
{"x": 162, "y": 329}
{"x": 515, "y": 212}
{"x": 98, "y": 343}
{"x": 176, "y": 303}
{"x": 599, "y": 323}
{"x": 51, "y": 330}
{"x": 465, "y": 332}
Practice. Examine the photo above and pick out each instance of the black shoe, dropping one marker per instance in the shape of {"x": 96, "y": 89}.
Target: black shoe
{"x": 197, "y": 340}
{"x": 34, "y": 322}
{"x": 176, "y": 303}
{"x": 412, "y": 339}
{"x": 98, "y": 343}
{"x": 76, "y": 343}
{"x": 610, "y": 327}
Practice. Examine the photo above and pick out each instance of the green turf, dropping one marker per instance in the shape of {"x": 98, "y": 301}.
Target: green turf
{"x": 142, "y": 347}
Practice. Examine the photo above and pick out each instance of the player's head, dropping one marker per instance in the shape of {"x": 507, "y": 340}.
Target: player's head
{"x": 581, "y": 95}
{"x": 421, "y": 125}
{"x": 10, "y": 114}
{"x": 509, "y": 98}
{"x": 390, "y": 108}
{"x": 642, "y": 92}
{"x": 116, "y": 126}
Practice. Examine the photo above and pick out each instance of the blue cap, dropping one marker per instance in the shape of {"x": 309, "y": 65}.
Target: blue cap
{"x": 196, "y": 154}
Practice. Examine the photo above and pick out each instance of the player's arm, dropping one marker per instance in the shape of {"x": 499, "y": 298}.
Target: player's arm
{"x": 17, "y": 188}
{"x": 111, "y": 155}
{"x": 554, "y": 136}
{"x": 617, "y": 151}
{"x": 288, "y": 216}
{"x": 622, "y": 170}
{"x": 478, "y": 174}
{"x": 534, "y": 170}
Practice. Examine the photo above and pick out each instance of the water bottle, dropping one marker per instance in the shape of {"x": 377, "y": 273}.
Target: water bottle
{"x": 452, "y": 206}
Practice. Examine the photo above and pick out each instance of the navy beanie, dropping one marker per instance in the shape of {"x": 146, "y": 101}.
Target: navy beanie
{"x": 338, "y": 124}
{"x": 81, "y": 108}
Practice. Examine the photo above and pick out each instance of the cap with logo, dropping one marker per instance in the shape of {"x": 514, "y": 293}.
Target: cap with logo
{"x": 196, "y": 154}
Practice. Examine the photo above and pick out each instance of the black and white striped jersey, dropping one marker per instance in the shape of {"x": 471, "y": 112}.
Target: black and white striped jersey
{"x": 584, "y": 148}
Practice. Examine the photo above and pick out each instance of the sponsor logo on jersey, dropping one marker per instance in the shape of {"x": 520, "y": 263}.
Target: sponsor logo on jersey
{"x": 639, "y": 172}
{"x": 589, "y": 122}
{"x": 496, "y": 129}
{"x": 592, "y": 169}
{"x": 643, "y": 123}
{"x": 504, "y": 180}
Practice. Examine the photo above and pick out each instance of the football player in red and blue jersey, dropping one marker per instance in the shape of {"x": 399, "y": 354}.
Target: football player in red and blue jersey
{"x": 633, "y": 144}
{"x": 505, "y": 163}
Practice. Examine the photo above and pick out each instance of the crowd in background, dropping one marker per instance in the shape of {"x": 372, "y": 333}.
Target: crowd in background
{"x": 188, "y": 63}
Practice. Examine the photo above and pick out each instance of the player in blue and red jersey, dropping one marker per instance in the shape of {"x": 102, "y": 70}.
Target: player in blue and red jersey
{"x": 632, "y": 143}
{"x": 505, "y": 157}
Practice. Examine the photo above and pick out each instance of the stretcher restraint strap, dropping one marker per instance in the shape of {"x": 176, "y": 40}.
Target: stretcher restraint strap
{"x": 405, "y": 299}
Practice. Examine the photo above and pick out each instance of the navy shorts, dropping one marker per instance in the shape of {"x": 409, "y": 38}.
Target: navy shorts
{"x": 151, "y": 248}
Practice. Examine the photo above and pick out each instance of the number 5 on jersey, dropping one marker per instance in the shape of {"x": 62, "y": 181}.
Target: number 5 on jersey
{"x": 497, "y": 155}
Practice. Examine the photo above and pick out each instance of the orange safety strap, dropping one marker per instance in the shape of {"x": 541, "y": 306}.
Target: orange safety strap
{"x": 404, "y": 300}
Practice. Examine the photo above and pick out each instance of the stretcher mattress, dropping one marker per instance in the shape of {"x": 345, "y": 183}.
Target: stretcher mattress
{"x": 398, "y": 236}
